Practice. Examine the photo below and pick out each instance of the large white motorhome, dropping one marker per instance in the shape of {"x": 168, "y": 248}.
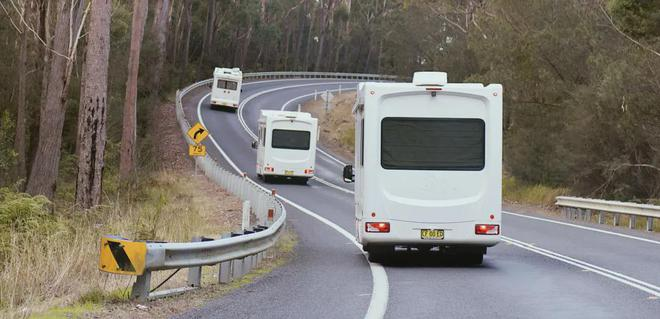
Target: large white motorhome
{"x": 226, "y": 87}
{"x": 286, "y": 145}
{"x": 428, "y": 166}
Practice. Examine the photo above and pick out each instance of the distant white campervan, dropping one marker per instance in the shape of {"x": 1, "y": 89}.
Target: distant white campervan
{"x": 428, "y": 166}
{"x": 226, "y": 89}
{"x": 286, "y": 145}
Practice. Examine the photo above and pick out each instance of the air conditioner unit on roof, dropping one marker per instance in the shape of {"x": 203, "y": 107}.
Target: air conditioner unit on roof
{"x": 430, "y": 78}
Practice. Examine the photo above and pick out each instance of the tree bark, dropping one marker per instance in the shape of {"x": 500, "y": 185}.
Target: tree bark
{"x": 312, "y": 10}
{"x": 43, "y": 175}
{"x": 207, "y": 41}
{"x": 159, "y": 31}
{"x": 19, "y": 141}
{"x": 93, "y": 107}
{"x": 129, "y": 128}
{"x": 188, "y": 29}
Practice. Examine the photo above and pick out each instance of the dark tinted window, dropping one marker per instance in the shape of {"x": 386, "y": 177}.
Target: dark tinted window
{"x": 229, "y": 85}
{"x": 296, "y": 140}
{"x": 432, "y": 144}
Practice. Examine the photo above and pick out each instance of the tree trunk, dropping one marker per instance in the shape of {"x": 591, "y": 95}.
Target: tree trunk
{"x": 246, "y": 46}
{"x": 207, "y": 41}
{"x": 19, "y": 141}
{"x": 299, "y": 40}
{"x": 43, "y": 175}
{"x": 188, "y": 26}
{"x": 159, "y": 31}
{"x": 326, "y": 9}
{"x": 128, "y": 136}
{"x": 93, "y": 107}
{"x": 308, "y": 50}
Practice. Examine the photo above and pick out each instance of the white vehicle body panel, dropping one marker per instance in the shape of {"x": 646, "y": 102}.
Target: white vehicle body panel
{"x": 226, "y": 87}
{"x": 411, "y": 200}
{"x": 284, "y": 161}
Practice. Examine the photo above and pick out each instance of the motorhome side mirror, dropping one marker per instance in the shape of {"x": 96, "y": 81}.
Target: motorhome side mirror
{"x": 254, "y": 144}
{"x": 348, "y": 174}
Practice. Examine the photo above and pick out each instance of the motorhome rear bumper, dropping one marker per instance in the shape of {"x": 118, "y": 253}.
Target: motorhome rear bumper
{"x": 224, "y": 104}
{"x": 409, "y": 233}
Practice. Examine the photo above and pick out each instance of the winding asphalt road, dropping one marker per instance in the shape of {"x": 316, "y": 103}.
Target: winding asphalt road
{"x": 544, "y": 268}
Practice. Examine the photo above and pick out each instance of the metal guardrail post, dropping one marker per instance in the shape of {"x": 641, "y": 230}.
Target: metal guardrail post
{"x": 600, "y": 217}
{"x": 649, "y": 224}
{"x": 245, "y": 224}
{"x": 224, "y": 269}
{"x": 632, "y": 222}
{"x": 195, "y": 273}
{"x": 141, "y": 287}
{"x": 237, "y": 268}
{"x": 617, "y": 219}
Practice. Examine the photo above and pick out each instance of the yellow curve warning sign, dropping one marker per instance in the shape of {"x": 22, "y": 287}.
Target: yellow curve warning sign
{"x": 198, "y": 133}
{"x": 122, "y": 256}
{"x": 197, "y": 150}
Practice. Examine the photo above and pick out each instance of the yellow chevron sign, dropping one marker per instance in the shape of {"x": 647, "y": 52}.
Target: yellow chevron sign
{"x": 198, "y": 133}
{"x": 122, "y": 256}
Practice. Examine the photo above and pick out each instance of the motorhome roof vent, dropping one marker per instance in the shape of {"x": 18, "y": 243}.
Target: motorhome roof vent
{"x": 430, "y": 78}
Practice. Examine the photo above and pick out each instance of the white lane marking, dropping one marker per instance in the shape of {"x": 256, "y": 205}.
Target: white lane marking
{"x": 247, "y": 129}
{"x": 284, "y": 106}
{"x": 380, "y": 286}
{"x": 201, "y": 120}
{"x": 339, "y": 188}
{"x": 520, "y": 215}
{"x": 624, "y": 279}
{"x": 241, "y": 105}
{"x": 585, "y": 228}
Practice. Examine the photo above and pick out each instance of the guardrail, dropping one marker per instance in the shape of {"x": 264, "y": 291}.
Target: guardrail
{"x": 584, "y": 208}
{"x": 318, "y": 75}
{"x": 235, "y": 252}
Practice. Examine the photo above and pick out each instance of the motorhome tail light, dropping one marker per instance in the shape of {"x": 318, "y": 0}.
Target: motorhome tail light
{"x": 484, "y": 229}
{"x": 377, "y": 227}
{"x": 269, "y": 169}
{"x": 309, "y": 171}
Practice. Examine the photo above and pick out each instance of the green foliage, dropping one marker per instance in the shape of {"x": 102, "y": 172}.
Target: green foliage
{"x": 516, "y": 192}
{"x": 7, "y": 153}
{"x": 22, "y": 214}
{"x": 639, "y": 18}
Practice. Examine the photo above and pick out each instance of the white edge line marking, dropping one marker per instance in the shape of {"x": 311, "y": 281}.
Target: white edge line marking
{"x": 346, "y": 190}
{"x": 585, "y": 228}
{"x": 247, "y": 129}
{"x": 635, "y": 283}
{"x": 380, "y": 289}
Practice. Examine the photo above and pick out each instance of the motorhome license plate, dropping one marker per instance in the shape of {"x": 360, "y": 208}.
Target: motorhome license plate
{"x": 288, "y": 172}
{"x": 433, "y": 234}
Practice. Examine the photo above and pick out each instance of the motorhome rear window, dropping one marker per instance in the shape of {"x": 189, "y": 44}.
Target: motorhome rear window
{"x": 450, "y": 144}
{"x": 290, "y": 139}
{"x": 229, "y": 85}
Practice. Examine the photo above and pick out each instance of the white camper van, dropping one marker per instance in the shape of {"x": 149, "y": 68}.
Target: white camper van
{"x": 428, "y": 166}
{"x": 226, "y": 88}
{"x": 286, "y": 145}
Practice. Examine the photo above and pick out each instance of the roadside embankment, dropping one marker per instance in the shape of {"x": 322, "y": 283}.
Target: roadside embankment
{"x": 49, "y": 251}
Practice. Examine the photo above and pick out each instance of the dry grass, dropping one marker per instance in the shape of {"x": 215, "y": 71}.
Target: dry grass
{"x": 337, "y": 125}
{"x": 47, "y": 269}
{"x": 515, "y": 192}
